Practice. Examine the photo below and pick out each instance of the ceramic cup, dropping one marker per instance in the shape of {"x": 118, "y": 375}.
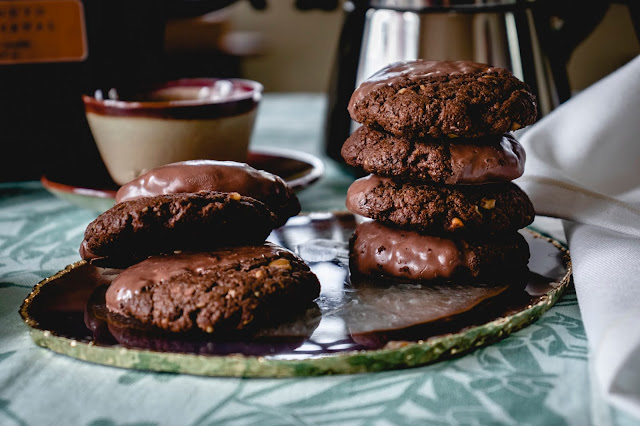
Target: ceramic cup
{"x": 188, "y": 119}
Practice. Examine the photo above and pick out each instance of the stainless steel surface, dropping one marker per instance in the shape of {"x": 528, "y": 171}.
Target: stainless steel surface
{"x": 389, "y": 36}
{"x": 532, "y": 38}
{"x": 433, "y": 4}
{"x": 504, "y": 38}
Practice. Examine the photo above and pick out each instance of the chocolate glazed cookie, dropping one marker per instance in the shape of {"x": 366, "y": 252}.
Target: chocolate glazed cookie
{"x": 379, "y": 251}
{"x": 495, "y": 158}
{"x": 133, "y": 230}
{"x": 223, "y": 292}
{"x": 460, "y": 210}
{"x": 443, "y": 99}
{"x": 220, "y": 176}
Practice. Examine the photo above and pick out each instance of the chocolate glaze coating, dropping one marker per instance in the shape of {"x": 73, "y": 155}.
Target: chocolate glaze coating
{"x": 378, "y": 250}
{"x": 223, "y": 291}
{"x": 495, "y": 158}
{"x": 449, "y": 210}
{"x": 442, "y": 98}
{"x": 221, "y": 176}
{"x": 133, "y": 230}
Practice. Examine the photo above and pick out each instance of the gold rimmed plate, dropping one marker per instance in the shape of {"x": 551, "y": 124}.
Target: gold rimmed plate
{"x": 347, "y": 330}
{"x": 95, "y": 190}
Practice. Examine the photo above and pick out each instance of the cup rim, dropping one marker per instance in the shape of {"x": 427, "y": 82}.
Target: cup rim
{"x": 253, "y": 92}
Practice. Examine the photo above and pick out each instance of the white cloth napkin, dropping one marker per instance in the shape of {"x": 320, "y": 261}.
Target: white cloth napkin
{"x": 583, "y": 165}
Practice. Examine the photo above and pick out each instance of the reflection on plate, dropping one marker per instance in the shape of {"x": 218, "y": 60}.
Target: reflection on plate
{"x": 97, "y": 190}
{"x": 347, "y": 331}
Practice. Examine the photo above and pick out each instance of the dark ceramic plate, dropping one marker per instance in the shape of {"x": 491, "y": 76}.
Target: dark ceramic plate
{"x": 353, "y": 327}
{"x": 97, "y": 190}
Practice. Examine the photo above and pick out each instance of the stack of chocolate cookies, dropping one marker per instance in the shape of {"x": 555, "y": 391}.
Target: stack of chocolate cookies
{"x": 190, "y": 238}
{"x": 437, "y": 141}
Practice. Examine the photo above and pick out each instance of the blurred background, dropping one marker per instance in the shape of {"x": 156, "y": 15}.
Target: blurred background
{"x": 296, "y": 48}
{"x": 53, "y": 51}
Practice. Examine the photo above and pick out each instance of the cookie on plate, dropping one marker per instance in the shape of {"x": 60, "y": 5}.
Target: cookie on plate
{"x": 378, "y": 250}
{"x": 495, "y": 158}
{"x": 133, "y": 230}
{"x": 462, "y": 210}
{"x": 443, "y": 99}
{"x": 223, "y": 291}
{"x": 221, "y": 176}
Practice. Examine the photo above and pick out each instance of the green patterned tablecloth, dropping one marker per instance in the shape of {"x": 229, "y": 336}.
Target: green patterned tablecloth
{"x": 537, "y": 376}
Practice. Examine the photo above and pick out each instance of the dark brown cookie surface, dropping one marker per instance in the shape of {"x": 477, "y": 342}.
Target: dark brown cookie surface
{"x": 439, "y": 99}
{"x": 220, "y": 176}
{"x": 378, "y": 250}
{"x": 461, "y": 210}
{"x": 132, "y": 230}
{"x": 222, "y": 291}
{"x": 497, "y": 158}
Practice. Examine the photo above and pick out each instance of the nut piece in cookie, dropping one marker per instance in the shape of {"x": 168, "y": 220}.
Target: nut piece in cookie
{"x": 223, "y": 291}
{"x": 378, "y": 250}
{"x": 133, "y": 230}
{"x": 441, "y": 98}
{"x": 221, "y": 176}
{"x": 460, "y": 210}
{"x": 495, "y": 158}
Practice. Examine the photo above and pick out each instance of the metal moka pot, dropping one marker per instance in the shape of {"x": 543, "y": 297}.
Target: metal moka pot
{"x": 534, "y": 39}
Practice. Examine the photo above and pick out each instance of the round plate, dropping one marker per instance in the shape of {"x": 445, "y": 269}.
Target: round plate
{"x": 345, "y": 332}
{"x": 97, "y": 191}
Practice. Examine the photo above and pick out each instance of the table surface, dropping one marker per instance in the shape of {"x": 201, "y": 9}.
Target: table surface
{"x": 538, "y": 375}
